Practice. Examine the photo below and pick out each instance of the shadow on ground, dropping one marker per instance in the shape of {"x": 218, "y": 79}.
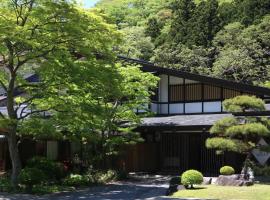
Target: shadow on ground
{"x": 149, "y": 188}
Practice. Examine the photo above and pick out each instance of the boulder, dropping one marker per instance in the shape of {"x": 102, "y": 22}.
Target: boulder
{"x": 207, "y": 180}
{"x": 181, "y": 187}
{"x": 233, "y": 180}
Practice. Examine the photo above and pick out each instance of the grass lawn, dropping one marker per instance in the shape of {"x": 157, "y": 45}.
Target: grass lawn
{"x": 256, "y": 192}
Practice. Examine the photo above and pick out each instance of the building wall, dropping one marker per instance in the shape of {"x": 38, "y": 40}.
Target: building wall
{"x": 184, "y": 96}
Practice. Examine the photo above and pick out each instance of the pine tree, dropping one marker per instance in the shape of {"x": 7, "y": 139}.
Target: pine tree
{"x": 204, "y": 24}
{"x": 239, "y": 134}
{"x": 182, "y": 13}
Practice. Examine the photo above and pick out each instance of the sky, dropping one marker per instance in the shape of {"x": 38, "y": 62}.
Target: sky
{"x": 89, "y": 3}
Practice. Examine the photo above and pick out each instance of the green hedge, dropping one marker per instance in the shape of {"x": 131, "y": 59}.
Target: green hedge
{"x": 227, "y": 170}
{"x": 191, "y": 177}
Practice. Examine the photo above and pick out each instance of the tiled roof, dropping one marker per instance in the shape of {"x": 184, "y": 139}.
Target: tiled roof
{"x": 183, "y": 120}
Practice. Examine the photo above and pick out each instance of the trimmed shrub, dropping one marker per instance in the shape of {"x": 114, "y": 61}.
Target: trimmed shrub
{"x": 226, "y": 170}
{"x": 53, "y": 170}
{"x": 191, "y": 177}
{"x": 77, "y": 180}
{"x": 30, "y": 177}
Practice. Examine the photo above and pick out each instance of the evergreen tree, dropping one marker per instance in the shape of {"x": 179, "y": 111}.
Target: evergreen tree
{"x": 249, "y": 11}
{"x": 240, "y": 134}
{"x": 153, "y": 28}
{"x": 204, "y": 23}
{"x": 182, "y": 13}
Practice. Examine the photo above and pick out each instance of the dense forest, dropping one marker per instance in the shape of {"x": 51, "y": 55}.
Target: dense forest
{"x": 222, "y": 38}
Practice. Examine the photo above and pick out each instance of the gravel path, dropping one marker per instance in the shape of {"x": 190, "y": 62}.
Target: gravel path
{"x": 143, "y": 187}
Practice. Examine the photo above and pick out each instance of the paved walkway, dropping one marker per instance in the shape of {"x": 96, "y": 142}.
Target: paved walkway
{"x": 143, "y": 187}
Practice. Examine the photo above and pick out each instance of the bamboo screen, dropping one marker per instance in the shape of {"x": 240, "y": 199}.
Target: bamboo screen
{"x": 228, "y": 93}
{"x": 193, "y": 92}
{"x": 197, "y": 92}
{"x": 211, "y": 92}
{"x": 177, "y": 93}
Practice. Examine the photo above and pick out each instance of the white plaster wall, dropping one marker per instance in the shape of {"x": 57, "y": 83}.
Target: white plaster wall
{"x": 212, "y": 106}
{"x": 154, "y": 108}
{"x": 176, "y": 108}
{"x": 175, "y": 80}
{"x": 163, "y": 108}
{"x": 163, "y": 88}
{"x": 193, "y": 107}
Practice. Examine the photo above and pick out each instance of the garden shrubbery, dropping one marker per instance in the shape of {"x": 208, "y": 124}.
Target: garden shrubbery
{"x": 53, "y": 170}
{"x": 41, "y": 176}
{"x": 227, "y": 170}
{"x": 31, "y": 176}
{"x": 77, "y": 180}
{"x": 5, "y": 184}
{"x": 261, "y": 171}
{"x": 191, "y": 177}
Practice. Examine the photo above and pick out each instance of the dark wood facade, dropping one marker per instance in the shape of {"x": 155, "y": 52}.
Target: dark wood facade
{"x": 173, "y": 152}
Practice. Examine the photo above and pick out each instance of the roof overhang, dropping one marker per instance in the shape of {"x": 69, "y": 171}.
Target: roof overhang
{"x": 151, "y": 67}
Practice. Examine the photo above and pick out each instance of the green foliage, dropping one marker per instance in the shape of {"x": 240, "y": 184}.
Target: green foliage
{"x": 244, "y": 103}
{"x": 31, "y": 176}
{"x": 226, "y": 144}
{"x": 226, "y": 170}
{"x": 48, "y": 189}
{"x": 5, "y": 184}
{"x": 220, "y": 126}
{"x": 242, "y": 54}
{"x": 191, "y": 177}
{"x": 77, "y": 180}
{"x": 250, "y": 129}
{"x": 261, "y": 170}
{"x": 52, "y": 169}
{"x": 193, "y": 59}
{"x": 136, "y": 43}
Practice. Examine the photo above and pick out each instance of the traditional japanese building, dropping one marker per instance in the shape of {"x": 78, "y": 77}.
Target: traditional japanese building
{"x": 185, "y": 106}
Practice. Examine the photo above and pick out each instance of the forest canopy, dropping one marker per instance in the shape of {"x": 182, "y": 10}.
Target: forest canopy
{"x": 222, "y": 38}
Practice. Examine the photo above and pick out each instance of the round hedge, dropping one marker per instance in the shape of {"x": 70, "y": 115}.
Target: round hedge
{"x": 226, "y": 170}
{"x": 191, "y": 177}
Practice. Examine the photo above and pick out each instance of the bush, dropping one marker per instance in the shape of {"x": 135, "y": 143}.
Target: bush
{"x": 77, "y": 180}
{"x": 261, "y": 171}
{"x": 226, "y": 170}
{"x": 105, "y": 176}
{"x": 30, "y": 177}
{"x": 53, "y": 170}
{"x": 5, "y": 184}
{"x": 191, "y": 177}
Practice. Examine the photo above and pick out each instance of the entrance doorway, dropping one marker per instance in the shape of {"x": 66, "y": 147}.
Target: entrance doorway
{"x": 180, "y": 151}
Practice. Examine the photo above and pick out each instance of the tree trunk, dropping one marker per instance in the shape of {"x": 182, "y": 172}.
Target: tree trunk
{"x": 246, "y": 166}
{"x": 14, "y": 156}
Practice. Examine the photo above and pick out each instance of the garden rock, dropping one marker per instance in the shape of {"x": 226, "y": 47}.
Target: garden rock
{"x": 181, "y": 187}
{"x": 207, "y": 180}
{"x": 174, "y": 185}
{"x": 232, "y": 180}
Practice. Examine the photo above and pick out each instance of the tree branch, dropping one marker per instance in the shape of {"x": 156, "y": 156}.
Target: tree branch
{"x": 33, "y": 112}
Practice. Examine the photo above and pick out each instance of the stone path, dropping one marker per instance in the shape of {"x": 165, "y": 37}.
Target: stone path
{"x": 142, "y": 187}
